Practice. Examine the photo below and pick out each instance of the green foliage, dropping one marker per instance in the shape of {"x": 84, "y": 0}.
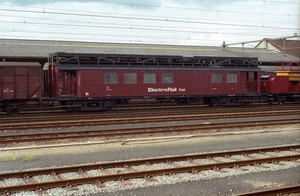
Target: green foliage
{"x": 10, "y": 159}
{"x": 28, "y": 158}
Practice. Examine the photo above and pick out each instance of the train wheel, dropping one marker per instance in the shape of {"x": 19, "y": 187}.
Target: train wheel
{"x": 108, "y": 105}
{"x": 13, "y": 109}
{"x": 245, "y": 101}
{"x": 281, "y": 100}
{"x": 214, "y": 103}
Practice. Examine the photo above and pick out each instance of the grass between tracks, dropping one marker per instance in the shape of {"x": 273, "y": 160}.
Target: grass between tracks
{"x": 14, "y": 158}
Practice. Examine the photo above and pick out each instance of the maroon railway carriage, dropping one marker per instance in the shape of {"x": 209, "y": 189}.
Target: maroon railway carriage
{"x": 279, "y": 89}
{"x": 275, "y": 88}
{"x": 100, "y": 81}
{"x": 20, "y": 82}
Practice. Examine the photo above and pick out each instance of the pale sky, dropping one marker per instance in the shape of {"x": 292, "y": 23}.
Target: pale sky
{"x": 184, "y": 22}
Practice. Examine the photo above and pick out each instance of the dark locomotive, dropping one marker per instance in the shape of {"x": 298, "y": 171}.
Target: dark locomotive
{"x": 89, "y": 82}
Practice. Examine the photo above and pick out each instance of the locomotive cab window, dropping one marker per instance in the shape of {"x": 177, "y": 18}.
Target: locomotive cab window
{"x": 149, "y": 78}
{"x": 130, "y": 78}
{"x": 231, "y": 78}
{"x": 167, "y": 78}
{"x": 216, "y": 78}
{"x": 111, "y": 78}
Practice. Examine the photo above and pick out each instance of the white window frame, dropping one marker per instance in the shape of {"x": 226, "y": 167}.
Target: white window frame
{"x": 216, "y": 78}
{"x": 231, "y": 78}
{"x": 113, "y": 81}
{"x": 151, "y": 79}
{"x": 165, "y": 78}
{"x": 132, "y": 78}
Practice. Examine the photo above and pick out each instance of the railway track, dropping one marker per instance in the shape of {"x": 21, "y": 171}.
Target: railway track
{"x": 32, "y": 109}
{"x": 68, "y": 136}
{"x": 133, "y": 112}
{"x": 43, "y": 180}
{"x": 96, "y": 120}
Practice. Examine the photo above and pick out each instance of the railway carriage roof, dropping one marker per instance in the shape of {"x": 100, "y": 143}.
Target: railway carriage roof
{"x": 82, "y": 61}
{"x": 21, "y": 48}
{"x": 20, "y": 64}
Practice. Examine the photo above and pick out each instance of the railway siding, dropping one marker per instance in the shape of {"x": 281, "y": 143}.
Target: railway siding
{"x": 208, "y": 167}
{"x": 119, "y": 135}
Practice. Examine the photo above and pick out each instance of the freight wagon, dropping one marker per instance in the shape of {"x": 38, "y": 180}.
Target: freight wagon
{"x": 20, "y": 82}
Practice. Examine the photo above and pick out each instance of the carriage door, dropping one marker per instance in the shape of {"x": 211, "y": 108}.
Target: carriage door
{"x": 251, "y": 82}
{"x": 67, "y": 83}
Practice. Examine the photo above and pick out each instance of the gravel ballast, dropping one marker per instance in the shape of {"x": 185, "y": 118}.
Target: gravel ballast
{"x": 226, "y": 182}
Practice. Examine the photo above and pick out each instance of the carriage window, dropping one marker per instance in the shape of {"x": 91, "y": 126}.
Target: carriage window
{"x": 8, "y": 71}
{"x": 130, "y": 78}
{"x": 149, "y": 78}
{"x": 111, "y": 78}
{"x": 231, "y": 78}
{"x": 216, "y": 78}
{"x": 167, "y": 78}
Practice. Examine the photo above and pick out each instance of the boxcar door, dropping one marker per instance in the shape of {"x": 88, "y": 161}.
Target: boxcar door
{"x": 8, "y": 83}
{"x": 251, "y": 82}
{"x": 68, "y": 83}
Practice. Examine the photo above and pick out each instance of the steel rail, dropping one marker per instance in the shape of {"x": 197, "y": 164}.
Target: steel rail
{"x": 272, "y": 192}
{"x": 142, "y": 105}
{"x": 106, "y": 114}
{"x": 153, "y": 111}
{"x": 113, "y": 115}
{"x": 149, "y": 111}
{"x": 147, "y": 161}
{"x": 19, "y": 138}
{"x": 125, "y": 110}
{"x": 142, "y": 174}
{"x": 97, "y": 122}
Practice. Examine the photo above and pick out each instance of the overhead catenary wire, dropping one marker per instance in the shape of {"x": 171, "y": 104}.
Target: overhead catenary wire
{"x": 149, "y": 19}
{"x": 161, "y": 24}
